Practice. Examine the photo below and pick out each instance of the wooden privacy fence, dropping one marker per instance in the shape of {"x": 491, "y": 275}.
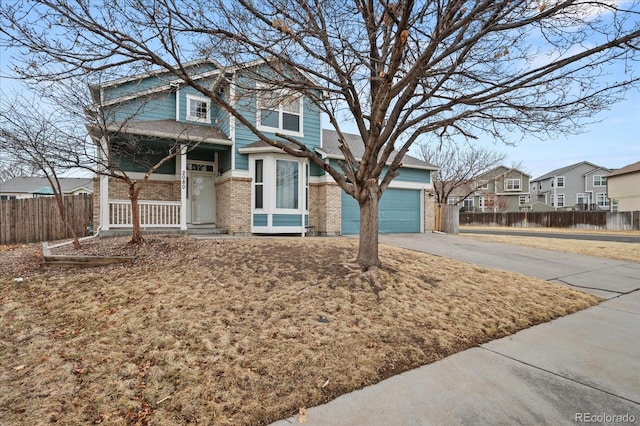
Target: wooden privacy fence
{"x": 38, "y": 219}
{"x": 446, "y": 218}
{"x": 612, "y": 221}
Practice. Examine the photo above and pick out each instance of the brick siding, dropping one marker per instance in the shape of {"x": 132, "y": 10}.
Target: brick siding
{"x": 325, "y": 208}
{"x": 233, "y": 205}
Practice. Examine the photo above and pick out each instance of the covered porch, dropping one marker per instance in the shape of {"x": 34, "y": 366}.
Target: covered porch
{"x": 180, "y": 196}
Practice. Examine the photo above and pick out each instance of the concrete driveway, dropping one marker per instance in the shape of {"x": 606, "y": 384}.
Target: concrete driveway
{"x": 605, "y": 278}
{"x": 579, "y": 369}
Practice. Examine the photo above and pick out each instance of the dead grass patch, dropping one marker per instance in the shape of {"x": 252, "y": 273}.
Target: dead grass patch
{"x": 628, "y": 252}
{"x": 239, "y": 331}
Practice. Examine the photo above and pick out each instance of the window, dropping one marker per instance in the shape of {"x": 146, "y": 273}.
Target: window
{"x": 286, "y": 184}
{"x": 559, "y": 200}
{"x": 599, "y": 180}
{"x": 258, "y": 185}
{"x": 452, "y": 200}
{"x": 482, "y": 184}
{"x": 560, "y": 181}
{"x": 468, "y": 202}
{"x": 280, "y": 112}
{"x": 582, "y": 200}
{"x": 602, "y": 200}
{"x": 512, "y": 185}
{"x": 198, "y": 109}
{"x": 523, "y": 199}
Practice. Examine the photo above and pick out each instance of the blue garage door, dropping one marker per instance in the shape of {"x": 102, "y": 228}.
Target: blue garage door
{"x": 399, "y": 212}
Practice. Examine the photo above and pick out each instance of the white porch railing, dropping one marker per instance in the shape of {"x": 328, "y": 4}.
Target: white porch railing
{"x": 157, "y": 214}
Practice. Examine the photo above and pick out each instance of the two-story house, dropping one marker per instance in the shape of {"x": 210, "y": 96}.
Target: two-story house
{"x": 229, "y": 180}
{"x": 623, "y": 188}
{"x": 580, "y": 186}
{"x": 501, "y": 189}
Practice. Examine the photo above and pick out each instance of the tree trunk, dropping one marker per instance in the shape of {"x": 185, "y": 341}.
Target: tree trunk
{"x": 65, "y": 219}
{"x": 136, "y": 236}
{"x": 368, "y": 248}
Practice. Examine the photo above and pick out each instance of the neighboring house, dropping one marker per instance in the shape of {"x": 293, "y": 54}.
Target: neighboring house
{"x": 31, "y": 187}
{"x": 501, "y": 189}
{"x": 580, "y": 186}
{"x": 230, "y": 180}
{"x": 623, "y": 188}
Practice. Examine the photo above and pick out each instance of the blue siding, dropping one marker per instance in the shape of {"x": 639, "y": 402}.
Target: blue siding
{"x": 247, "y": 103}
{"x": 149, "y": 82}
{"x": 260, "y": 220}
{"x": 286, "y": 220}
{"x": 159, "y": 107}
{"x": 151, "y": 152}
{"x": 399, "y": 211}
{"x": 215, "y": 110}
{"x": 413, "y": 175}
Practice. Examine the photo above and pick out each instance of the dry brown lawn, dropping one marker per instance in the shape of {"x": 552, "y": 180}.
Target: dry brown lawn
{"x": 238, "y": 331}
{"x": 628, "y": 252}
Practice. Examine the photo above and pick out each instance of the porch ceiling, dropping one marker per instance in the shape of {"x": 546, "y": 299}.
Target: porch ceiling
{"x": 175, "y": 130}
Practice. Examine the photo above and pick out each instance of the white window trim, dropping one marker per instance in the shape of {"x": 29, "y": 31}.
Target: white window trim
{"x": 603, "y": 181}
{"x": 269, "y": 192}
{"x": 523, "y": 199}
{"x": 512, "y": 180}
{"x": 602, "y": 195}
{"x": 558, "y": 179}
{"x": 195, "y": 118}
{"x": 560, "y": 197}
{"x": 279, "y": 129}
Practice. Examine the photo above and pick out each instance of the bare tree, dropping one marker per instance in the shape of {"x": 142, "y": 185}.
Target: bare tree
{"x": 396, "y": 70}
{"x": 11, "y": 167}
{"x": 114, "y": 147}
{"x": 33, "y": 138}
{"x": 460, "y": 167}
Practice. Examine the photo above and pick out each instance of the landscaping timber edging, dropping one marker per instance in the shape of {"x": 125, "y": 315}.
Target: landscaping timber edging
{"x": 81, "y": 261}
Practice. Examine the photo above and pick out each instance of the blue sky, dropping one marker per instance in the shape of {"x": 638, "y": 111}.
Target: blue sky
{"x": 613, "y": 142}
{"x": 612, "y": 139}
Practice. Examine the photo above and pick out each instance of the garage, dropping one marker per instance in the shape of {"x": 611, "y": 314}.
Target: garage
{"x": 399, "y": 212}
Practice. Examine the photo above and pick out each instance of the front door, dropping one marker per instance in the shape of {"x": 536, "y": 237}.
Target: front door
{"x": 202, "y": 196}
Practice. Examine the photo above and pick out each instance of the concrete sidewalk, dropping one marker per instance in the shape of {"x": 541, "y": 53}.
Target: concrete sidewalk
{"x": 582, "y": 368}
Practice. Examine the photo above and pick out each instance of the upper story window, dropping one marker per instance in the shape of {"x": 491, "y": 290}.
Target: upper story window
{"x": 599, "y": 180}
{"x": 513, "y": 185}
{"x": 560, "y": 181}
{"x": 198, "y": 109}
{"x": 482, "y": 184}
{"x": 280, "y": 112}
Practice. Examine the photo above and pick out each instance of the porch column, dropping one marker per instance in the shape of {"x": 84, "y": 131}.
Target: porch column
{"x": 183, "y": 187}
{"x": 104, "y": 188}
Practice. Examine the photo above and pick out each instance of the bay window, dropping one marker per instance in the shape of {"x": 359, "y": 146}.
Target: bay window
{"x": 286, "y": 184}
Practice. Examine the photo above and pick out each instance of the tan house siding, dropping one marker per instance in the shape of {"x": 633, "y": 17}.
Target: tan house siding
{"x": 429, "y": 211}
{"x": 233, "y": 205}
{"x": 624, "y": 190}
{"x": 326, "y": 208}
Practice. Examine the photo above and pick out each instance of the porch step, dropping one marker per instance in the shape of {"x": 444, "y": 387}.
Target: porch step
{"x": 205, "y": 230}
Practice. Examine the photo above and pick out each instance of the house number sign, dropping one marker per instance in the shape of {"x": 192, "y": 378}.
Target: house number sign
{"x": 184, "y": 179}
